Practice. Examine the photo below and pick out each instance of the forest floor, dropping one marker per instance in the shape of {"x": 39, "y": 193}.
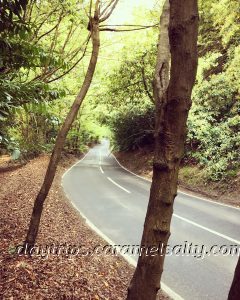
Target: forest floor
{"x": 190, "y": 178}
{"x": 59, "y": 276}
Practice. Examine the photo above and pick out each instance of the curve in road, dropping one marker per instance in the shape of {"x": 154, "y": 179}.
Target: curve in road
{"x": 115, "y": 203}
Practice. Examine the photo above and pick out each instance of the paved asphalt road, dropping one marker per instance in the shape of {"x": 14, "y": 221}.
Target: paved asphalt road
{"x": 115, "y": 201}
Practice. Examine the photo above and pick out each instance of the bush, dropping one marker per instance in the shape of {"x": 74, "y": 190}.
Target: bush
{"x": 213, "y": 124}
{"x": 133, "y": 128}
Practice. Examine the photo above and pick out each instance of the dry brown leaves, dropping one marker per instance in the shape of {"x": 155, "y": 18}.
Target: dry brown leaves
{"x": 57, "y": 277}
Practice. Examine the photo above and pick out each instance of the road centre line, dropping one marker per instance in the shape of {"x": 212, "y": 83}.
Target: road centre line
{"x": 175, "y": 215}
{"x": 118, "y": 185}
{"x": 208, "y": 229}
{"x": 179, "y": 191}
{"x": 101, "y": 170}
{"x": 191, "y": 222}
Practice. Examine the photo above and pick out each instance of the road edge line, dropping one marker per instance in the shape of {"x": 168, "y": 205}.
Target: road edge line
{"x": 129, "y": 259}
{"x": 223, "y": 236}
{"x": 68, "y": 170}
{"x": 180, "y": 192}
{"x": 185, "y": 219}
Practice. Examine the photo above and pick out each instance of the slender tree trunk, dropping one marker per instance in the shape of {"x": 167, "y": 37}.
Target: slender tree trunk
{"x": 39, "y": 201}
{"x": 93, "y": 27}
{"x": 234, "y": 293}
{"x": 172, "y": 106}
{"x": 77, "y": 137}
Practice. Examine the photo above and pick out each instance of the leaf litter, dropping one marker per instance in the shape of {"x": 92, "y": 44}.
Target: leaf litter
{"x": 53, "y": 277}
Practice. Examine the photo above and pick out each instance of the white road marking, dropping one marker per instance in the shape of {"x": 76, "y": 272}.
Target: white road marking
{"x": 177, "y": 216}
{"x": 118, "y": 185}
{"x": 75, "y": 164}
{"x": 210, "y": 201}
{"x": 180, "y": 192}
{"x": 187, "y": 220}
{"x": 208, "y": 229}
{"x": 130, "y": 259}
{"x": 127, "y": 257}
{"x": 100, "y": 162}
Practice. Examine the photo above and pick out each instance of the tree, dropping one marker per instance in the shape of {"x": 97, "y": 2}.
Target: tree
{"x": 234, "y": 293}
{"x": 173, "y": 102}
{"x": 20, "y": 58}
{"x": 93, "y": 27}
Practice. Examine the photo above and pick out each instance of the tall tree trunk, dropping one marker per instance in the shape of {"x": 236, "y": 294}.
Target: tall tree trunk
{"x": 172, "y": 108}
{"x": 234, "y": 293}
{"x": 39, "y": 201}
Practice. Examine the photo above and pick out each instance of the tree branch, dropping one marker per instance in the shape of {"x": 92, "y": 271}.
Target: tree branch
{"x": 111, "y": 6}
{"x": 145, "y": 81}
{"x": 129, "y": 25}
{"x": 106, "y": 8}
{"x": 124, "y": 30}
{"x": 45, "y": 19}
{"x": 75, "y": 64}
{"x": 46, "y": 33}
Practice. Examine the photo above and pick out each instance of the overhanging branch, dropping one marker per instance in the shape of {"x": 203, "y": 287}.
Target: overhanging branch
{"x": 106, "y": 13}
{"x": 75, "y": 64}
{"x": 103, "y": 28}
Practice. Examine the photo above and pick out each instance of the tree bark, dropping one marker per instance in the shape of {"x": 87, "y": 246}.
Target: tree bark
{"x": 173, "y": 101}
{"x": 51, "y": 170}
{"x": 234, "y": 293}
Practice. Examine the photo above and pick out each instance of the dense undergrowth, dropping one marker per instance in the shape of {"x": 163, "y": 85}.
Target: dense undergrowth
{"x": 39, "y": 78}
{"x": 213, "y": 138}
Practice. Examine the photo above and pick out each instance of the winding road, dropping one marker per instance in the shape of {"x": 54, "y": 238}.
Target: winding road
{"x": 115, "y": 201}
